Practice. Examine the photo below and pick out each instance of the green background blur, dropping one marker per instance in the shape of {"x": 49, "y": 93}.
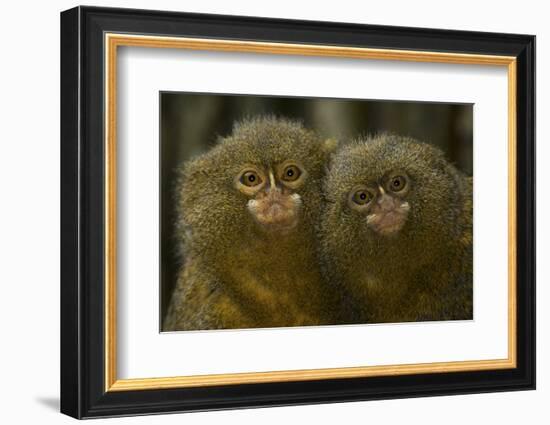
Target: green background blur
{"x": 191, "y": 123}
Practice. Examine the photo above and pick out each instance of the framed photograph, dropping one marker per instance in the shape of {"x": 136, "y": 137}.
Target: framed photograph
{"x": 260, "y": 212}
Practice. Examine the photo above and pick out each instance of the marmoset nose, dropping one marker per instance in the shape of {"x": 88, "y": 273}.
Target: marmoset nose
{"x": 385, "y": 202}
{"x": 273, "y": 193}
{"x": 272, "y": 185}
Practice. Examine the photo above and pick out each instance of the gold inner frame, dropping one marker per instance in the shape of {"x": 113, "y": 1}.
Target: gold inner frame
{"x": 113, "y": 41}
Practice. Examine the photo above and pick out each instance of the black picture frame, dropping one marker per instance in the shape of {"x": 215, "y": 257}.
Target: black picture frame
{"x": 83, "y": 392}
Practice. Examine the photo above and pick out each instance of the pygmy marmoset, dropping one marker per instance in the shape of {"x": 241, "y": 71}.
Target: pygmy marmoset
{"x": 396, "y": 232}
{"x": 247, "y": 211}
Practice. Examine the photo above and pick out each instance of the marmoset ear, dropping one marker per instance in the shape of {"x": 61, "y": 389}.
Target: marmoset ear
{"x": 329, "y": 145}
{"x": 192, "y": 171}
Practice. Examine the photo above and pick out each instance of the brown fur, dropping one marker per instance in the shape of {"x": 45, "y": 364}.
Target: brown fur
{"x": 424, "y": 270}
{"x": 234, "y": 274}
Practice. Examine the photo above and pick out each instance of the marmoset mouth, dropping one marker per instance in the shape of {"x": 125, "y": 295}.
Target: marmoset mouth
{"x": 283, "y": 226}
{"x": 388, "y": 222}
{"x": 276, "y": 213}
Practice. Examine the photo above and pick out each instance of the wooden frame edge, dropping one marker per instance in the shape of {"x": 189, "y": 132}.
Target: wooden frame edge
{"x": 306, "y": 375}
{"x": 110, "y": 212}
{"x": 512, "y": 212}
{"x": 114, "y": 40}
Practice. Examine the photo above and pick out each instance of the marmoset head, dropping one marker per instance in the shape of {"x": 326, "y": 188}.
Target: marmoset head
{"x": 264, "y": 178}
{"x": 392, "y": 195}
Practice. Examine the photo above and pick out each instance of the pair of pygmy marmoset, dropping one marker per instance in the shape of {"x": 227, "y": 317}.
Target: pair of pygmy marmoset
{"x": 279, "y": 227}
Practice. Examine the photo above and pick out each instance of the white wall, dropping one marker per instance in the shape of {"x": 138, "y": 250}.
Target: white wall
{"x": 29, "y": 224}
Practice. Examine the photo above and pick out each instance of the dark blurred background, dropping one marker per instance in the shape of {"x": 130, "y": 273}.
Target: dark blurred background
{"x": 191, "y": 123}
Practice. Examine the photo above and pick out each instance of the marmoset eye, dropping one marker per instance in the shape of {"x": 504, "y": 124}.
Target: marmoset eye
{"x": 291, "y": 173}
{"x": 362, "y": 197}
{"x": 397, "y": 183}
{"x": 250, "y": 179}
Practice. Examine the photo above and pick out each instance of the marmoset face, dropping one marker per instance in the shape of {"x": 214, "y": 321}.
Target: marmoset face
{"x": 391, "y": 186}
{"x": 383, "y": 202}
{"x": 274, "y": 202}
{"x": 263, "y": 179}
